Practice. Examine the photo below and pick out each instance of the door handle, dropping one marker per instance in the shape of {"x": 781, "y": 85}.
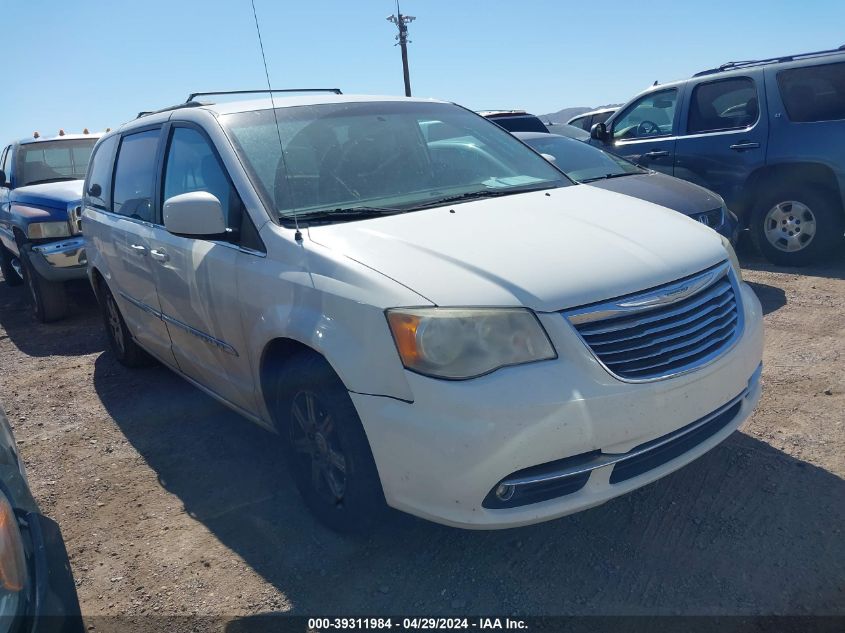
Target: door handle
{"x": 656, "y": 154}
{"x": 138, "y": 248}
{"x": 159, "y": 255}
{"x": 744, "y": 145}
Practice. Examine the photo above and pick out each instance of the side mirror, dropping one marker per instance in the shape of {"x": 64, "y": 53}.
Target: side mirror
{"x": 548, "y": 157}
{"x": 3, "y": 182}
{"x": 598, "y": 132}
{"x": 95, "y": 190}
{"x": 197, "y": 213}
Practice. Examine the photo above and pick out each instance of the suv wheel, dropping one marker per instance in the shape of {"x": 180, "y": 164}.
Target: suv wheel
{"x": 796, "y": 228}
{"x": 327, "y": 450}
{"x": 48, "y": 298}
{"x": 128, "y": 352}
{"x": 11, "y": 267}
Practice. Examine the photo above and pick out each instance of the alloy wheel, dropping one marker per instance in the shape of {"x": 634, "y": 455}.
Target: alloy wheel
{"x": 315, "y": 441}
{"x": 115, "y": 326}
{"x": 790, "y": 226}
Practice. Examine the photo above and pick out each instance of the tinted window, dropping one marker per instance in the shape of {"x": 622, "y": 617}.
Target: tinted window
{"x": 134, "y": 178}
{"x": 601, "y": 117}
{"x": 814, "y": 93}
{"x": 193, "y": 166}
{"x": 520, "y": 123}
{"x": 723, "y": 105}
{"x": 99, "y": 173}
{"x": 650, "y": 116}
{"x": 52, "y": 161}
{"x": 582, "y": 121}
{"x": 580, "y": 161}
{"x": 394, "y": 154}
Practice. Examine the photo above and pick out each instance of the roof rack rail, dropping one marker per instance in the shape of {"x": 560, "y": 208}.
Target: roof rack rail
{"x": 193, "y": 95}
{"x": 772, "y": 60}
{"x": 188, "y": 104}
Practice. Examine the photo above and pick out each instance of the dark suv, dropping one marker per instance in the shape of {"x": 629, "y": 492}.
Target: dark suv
{"x": 767, "y": 135}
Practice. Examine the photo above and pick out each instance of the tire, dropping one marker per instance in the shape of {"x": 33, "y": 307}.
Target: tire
{"x": 10, "y": 275}
{"x": 796, "y": 227}
{"x": 48, "y": 298}
{"x": 326, "y": 448}
{"x": 124, "y": 347}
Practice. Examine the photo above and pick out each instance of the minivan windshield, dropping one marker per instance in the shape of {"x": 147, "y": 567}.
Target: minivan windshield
{"x": 53, "y": 161}
{"x": 343, "y": 161}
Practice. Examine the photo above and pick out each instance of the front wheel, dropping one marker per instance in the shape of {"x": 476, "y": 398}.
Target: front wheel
{"x": 11, "y": 267}
{"x": 48, "y": 298}
{"x": 796, "y": 228}
{"x": 327, "y": 450}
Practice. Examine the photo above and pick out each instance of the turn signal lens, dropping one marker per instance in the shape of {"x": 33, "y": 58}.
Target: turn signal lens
{"x": 12, "y": 561}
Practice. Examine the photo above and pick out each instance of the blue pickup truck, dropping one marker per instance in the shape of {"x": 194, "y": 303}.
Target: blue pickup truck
{"x": 40, "y": 217}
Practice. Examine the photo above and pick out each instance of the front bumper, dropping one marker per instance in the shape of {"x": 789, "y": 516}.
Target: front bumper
{"x": 441, "y": 456}
{"x": 59, "y": 261}
{"x": 52, "y": 605}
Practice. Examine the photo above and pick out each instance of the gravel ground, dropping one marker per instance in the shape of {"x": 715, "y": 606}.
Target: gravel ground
{"x": 171, "y": 504}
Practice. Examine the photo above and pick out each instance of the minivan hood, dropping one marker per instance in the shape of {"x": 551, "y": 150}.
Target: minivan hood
{"x": 667, "y": 191}
{"x": 546, "y": 250}
{"x": 49, "y": 194}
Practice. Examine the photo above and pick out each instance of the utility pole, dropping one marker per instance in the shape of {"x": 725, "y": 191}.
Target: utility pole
{"x": 401, "y": 22}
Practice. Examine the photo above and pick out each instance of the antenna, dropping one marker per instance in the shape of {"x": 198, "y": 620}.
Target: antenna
{"x": 298, "y": 234}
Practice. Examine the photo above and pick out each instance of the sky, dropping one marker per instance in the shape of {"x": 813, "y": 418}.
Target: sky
{"x": 97, "y": 63}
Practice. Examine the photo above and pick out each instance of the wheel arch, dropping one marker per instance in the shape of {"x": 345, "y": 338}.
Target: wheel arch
{"x": 789, "y": 175}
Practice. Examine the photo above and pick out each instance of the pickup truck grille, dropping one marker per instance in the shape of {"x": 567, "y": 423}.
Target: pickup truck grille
{"x": 664, "y": 331}
{"x": 75, "y": 219}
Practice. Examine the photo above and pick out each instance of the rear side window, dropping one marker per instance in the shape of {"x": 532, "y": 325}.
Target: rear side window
{"x": 134, "y": 177}
{"x": 582, "y": 122}
{"x": 728, "y": 104}
{"x": 814, "y": 93}
{"x": 99, "y": 173}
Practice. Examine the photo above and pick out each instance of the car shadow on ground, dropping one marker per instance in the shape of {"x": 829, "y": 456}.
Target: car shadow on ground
{"x": 771, "y": 298}
{"x": 833, "y": 266}
{"x": 72, "y": 336}
{"x": 745, "y": 529}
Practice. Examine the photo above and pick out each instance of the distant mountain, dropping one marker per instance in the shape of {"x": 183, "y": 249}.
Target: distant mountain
{"x": 562, "y": 116}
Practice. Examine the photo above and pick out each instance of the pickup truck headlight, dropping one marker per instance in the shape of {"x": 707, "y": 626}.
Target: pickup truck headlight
{"x": 461, "y": 343}
{"x": 732, "y": 257}
{"x": 12, "y": 560}
{"x": 47, "y": 230}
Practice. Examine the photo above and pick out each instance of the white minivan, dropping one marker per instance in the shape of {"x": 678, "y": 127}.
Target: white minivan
{"x": 429, "y": 314}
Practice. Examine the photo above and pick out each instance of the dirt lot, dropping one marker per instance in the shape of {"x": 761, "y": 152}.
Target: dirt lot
{"x": 170, "y": 504}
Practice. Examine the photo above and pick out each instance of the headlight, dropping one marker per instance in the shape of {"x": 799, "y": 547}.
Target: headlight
{"x": 12, "y": 561}
{"x": 45, "y": 230}
{"x": 732, "y": 256}
{"x": 461, "y": 343}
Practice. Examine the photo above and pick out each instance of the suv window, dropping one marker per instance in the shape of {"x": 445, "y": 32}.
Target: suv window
{"x": 134, "y": 177}
{"x": 192, "y": 165}
{"x": 728, "y": 104}
{"x": 582, "y": 122}
{"x": 99, "y": 173}
{"x": 814, "y": 93}
{"x": 650, "y": 116}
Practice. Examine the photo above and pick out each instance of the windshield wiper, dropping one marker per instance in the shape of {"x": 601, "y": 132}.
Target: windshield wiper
{"x": 342, "y": 214}
{"x": 483, "y": 193}
{"x": 609, "y": 176}
{"x": 43, "y": 180}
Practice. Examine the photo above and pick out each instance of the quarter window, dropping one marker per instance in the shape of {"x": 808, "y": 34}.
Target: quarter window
{"x": 653, "y": 115}
{"x": 134, "y": 178}
{"x": 192, "y": 165}
{"x": 99, "y": 173}
{"x": 814, "y": 93}
{"x": 729, "y": 104}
